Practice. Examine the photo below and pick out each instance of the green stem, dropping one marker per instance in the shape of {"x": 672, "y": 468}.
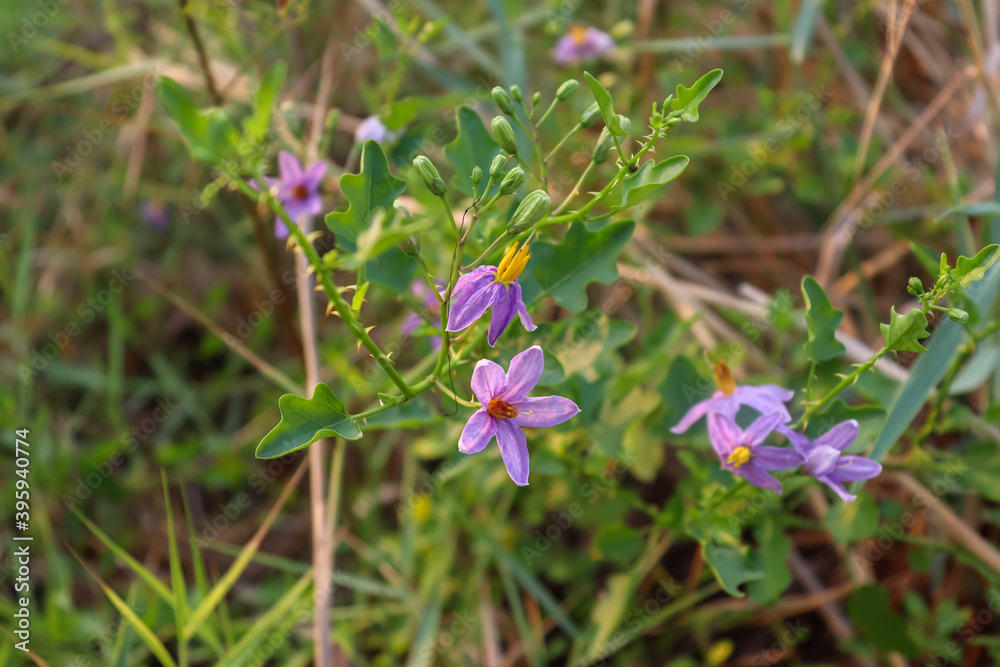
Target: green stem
{"x": 576, "y": 128}
{"x": 486, "y": 252}
{"x": 847, "y": 381}
{"x": 451, "y": 216}
{"x": 547, "y": 112}
{"x": 576, "y": 188}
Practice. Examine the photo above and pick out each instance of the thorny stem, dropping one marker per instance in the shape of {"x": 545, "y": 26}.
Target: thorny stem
{"x": 576, "y": 188}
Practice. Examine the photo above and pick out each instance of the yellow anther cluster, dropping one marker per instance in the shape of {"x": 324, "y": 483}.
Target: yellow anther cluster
{"x": 512, "y": 264}
{"x": 740, "y": 456}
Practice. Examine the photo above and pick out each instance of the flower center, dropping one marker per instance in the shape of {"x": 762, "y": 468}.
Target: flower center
{"x": 579, "y": 34}
{"x": 501, "y": 409}
{"x": 300, "y": 192}
{"x": 723, "y": 378}
{"x": 512, "y": 264}
{"x": 740, "y": 456}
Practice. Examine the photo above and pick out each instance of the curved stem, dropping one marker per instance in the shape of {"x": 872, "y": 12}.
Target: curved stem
{"x": 576, "y": 188}
{"x": 486, "y": 252}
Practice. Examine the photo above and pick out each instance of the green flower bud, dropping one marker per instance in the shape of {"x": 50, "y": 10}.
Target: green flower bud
{"x": 915, "y": 287}
{"x": 625, "y": 123}
{"x": 502, "y": 100}
{"x": 477, "y": 174}
{"x": 603, "y": 146}
{"x": 536, "y": 98}
{"x": 430, "y": 176}
{"x": 533, "y": 209}
{"x": 515, "y": 92}
{"x": 957, "y": 315}
{"x": 504, "y": 134}
{"x": 498, "y": 165}
{"x": 566, "y": 89}
{"x": 512, "y": 181}
{"x": 411, "y": 246}
{"x": 590, "y": 116}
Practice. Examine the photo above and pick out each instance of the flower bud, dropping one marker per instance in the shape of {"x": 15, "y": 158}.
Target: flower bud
{"x": 502, "y": 100}
{"x": 590, "y": 115}
{"x": 532, "y": 210}
{"x": 625, "y": 123}
{"x": 477, "y": 174}
{"x": 512, "y": 181}
{"x": 430, "y": 176}
{"x": 515, "y": 92}
{"x": 603, "y": 146}
{"x": 957, "y": 315}
{"x": 411, "y": 246}
{"x": 504, "y": 134}
{"x": 536, "y": 98}
{"x": 915, "y": 287}
{"x": 566, "y": 89}
{"x": 498, "y": 165}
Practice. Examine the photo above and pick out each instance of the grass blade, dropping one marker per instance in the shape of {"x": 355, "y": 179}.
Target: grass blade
{"x": 805, "y": 22}
{"x": 176, "y": 573}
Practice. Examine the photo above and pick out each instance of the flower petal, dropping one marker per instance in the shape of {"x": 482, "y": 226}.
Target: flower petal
{"x": 821, "y": 460}
{"x": 514, "y": 450}
{"x": 469, "y": 305}
{"x": 776, "y": 458}
{"x": 544, "y": 411}
{"x": 478, "y": 432}
{"x": 800, "y": 442}
{"x": 838, "y": 488}
{"x": 761, "y": 428}
{"x": 523, "y": 374}
{"x": 696, "y": 412}
{"x": 314, "y": 175}
{"x": 280, "y": 229}
{"x": 855, "y": 469}
{"x": 840, "y": 437}
{"x": 504, "y": 309}
{"x": 488, "y": 381}
{"x": 289, "y": 166}
{"x": 522, "y": 312}
{"x": 759, "y": 477}
{"x": 724, "y": 434}
{"x": 765, "y": 399}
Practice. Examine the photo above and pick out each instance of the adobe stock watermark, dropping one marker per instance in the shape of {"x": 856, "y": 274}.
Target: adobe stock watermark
{"x": 86, "y": 313}
{"x": 967, "y": 631}
{"x": 634, "y": 620}
{"x": 760, "y": 153}
{"x": 713, "y": 29}
{"x": 37, "y": 17}
{"x": 245, "y": 327}
{"x": 122, "y": 107}
{"x": 85, "y": 486}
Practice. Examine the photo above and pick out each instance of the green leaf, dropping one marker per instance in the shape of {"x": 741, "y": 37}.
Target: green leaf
{"x": 255, "y": 126}
{"x": 772, "y": 560}
{"x": 617, "y": 542}
{"x": 977, "y": 208}
{"x": 373, "y": 187}
{"x": 969, "y": 270}
{"x": 805, "y": 22}
{"x": 649, "y": 178}
{"x": 304, "y": 421}
{"x": 686, "y": 100}
{"x": 474, "y": 146}
{"x": 377, "y": 238}
{"x": 852, "y": 522}
{"x": 563, "y": 271}
{"x": 872, "y": 614}
{"x": 209, "y": 135}
{"x": 606, "y": 104}
{"x": 904, "y": 331}
{"x": 729, "y": 566}
{"x": 822, "y": 320}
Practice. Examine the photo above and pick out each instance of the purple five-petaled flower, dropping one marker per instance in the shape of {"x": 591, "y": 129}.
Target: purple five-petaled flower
{"x": 824, "y": 459}
{"x": 494, "y": 286}
{"x": 507, "y": 407}
{"x": 581, "y": 44}
{"x": 741, "y": 451}
{"x": 373, "y": 128}
{"x": 727, "y": 399}
{"x": 297, "y": 189}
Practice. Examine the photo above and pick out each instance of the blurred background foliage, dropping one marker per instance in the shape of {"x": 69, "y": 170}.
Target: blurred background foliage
{"x": 126, "y": 278}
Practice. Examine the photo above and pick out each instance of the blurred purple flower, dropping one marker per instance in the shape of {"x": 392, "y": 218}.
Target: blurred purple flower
{"x": 431, "y": 304}
{"x": 581, "y": 44}
{"x": 507, "y": 408}
{"x": 494, "y": 286}
{"x": 741, "y": 452}
{"x": 373, "y": 128}
{"x": 825, "y": 462}
{"x": 154, "y": 214}
{"x": 297, "y": 189}
{"x": 764, "y": 398}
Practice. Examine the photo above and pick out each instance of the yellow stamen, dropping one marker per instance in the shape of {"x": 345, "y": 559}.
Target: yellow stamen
{"x": 740, "y": 456}
{"x": 512, "y": 264}
{"x": 723, "y": 378}
{"x": 579, "y": 34}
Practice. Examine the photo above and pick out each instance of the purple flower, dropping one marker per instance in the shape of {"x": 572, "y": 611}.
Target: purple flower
{"x": 296, "y": 189}
{"x": 764, "y": 398}
{"x": 430, "y": 303}
{"x": 825, "y": 462}
{"x": 373, "y": 128}
{"x": 741, "y": 452}
{"x": 494, "y": 286}
{"x": 506, "y": 408}
{"x": 580, "y": 44}
{"x": 154, "y": 214}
